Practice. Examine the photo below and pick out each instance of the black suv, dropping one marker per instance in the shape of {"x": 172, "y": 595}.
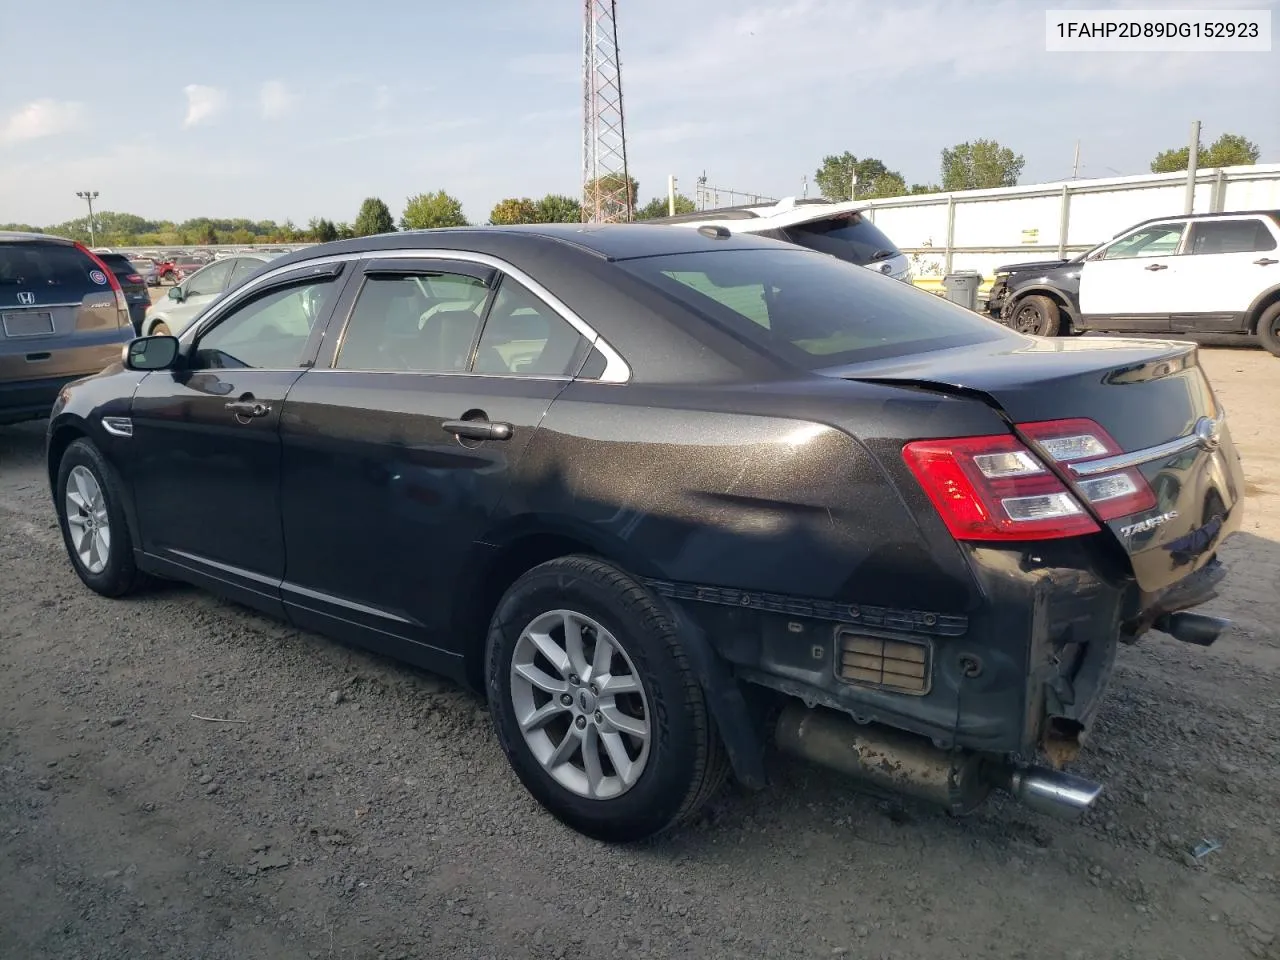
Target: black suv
{"x": 135, "y": 289}
{"x": 63, "y": 315}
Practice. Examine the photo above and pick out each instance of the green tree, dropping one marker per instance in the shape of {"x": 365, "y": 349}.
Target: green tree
{"x": 1229, "y": 150}
{"x": 980, "y": 165}
{"x": 374, "y": 217}
{"x": 888, "y": 184}
{"x": 428, "y": 210}
{"x": 658, "y": 207}
{"x": 208, "y": 236}
{"x": 919, "y": 188}
{"x": 345, "y": 230}
{"x": 835, "y": 177}
{"x": 557, "y": 208}
{"x": 514, "y": 210}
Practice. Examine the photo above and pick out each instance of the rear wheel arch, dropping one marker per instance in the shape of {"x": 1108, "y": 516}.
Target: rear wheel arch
{"x": 1267, "y": 299}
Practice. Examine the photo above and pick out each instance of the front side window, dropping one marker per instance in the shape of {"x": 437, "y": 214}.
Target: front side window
{"x": 425, "y": 323}
{"x": 267, "y": 332}
{"x": 1157, "y": 240}
{"x": 210, "y": 280}
{"x": 810, "y": 309}
{"x": 1231, "y": 236}
{"x": 525, "y": 337}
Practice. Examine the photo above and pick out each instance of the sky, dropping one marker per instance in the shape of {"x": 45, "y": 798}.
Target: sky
{"x": 293, "y": 109}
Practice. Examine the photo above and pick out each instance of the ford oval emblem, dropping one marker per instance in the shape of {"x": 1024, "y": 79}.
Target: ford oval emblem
{"x": 1207, "y": 434}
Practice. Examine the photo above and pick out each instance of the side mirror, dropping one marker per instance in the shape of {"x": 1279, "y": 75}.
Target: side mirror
{"x": 151, "y": 353}
{"x": 175, "y": 293}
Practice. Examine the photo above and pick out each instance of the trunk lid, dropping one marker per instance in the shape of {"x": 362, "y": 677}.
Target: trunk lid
{"x": 1151, "y": 396}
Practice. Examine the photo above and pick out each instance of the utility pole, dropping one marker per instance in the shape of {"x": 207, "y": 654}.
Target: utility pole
{"x": 1075, "y": 166}
{"x": 606, "y": 181}
{"x": 1193, "y": 157}
{"x": 853, "y": 185}
{"x": 804, "y": 186}
{"x": 89, "y": 196}
{"x": 671, "y": 195}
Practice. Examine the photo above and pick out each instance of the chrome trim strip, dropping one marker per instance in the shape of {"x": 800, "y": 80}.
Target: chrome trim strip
{"x": 309, "y": 594}
{"x": 616, "y": 369}
{"x": 1123, "y": 461}
{"x": 118, "y": 426}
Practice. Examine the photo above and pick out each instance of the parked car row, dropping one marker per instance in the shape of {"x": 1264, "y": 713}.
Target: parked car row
{"x": 663, "y": 494}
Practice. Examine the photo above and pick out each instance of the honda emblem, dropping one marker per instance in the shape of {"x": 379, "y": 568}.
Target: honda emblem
{"x": 27, "y": 298}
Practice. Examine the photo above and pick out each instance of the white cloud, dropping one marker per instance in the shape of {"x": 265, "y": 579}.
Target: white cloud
{"x": 381, "y": 97}
{"x": 41, "y": 118}
{"x": 276, "y": 99}
{"x": 203, "y": 103}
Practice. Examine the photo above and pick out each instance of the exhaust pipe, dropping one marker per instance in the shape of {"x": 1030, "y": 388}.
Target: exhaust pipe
{"x": 1053, "y": 792}
{"x": 1197, "y": 628}
{"x": 902, "y": 763}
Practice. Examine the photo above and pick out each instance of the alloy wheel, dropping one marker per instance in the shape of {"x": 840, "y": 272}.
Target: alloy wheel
{"x": 87, "y": 519}
{"x": 580, "y": 704}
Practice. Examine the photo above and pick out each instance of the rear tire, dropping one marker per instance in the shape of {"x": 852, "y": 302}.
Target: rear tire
{"x": 549, "y": 710}
{"x": 89, "y": 499}
{"x": 1036, "y": 315}
{"x": 1269, "y": 329}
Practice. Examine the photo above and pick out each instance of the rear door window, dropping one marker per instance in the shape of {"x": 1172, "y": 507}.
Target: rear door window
{"x": 524, "y": 337}
{"x": 811, "y": 310}
{"x": 1231, "y": 236}
{"x": 40, "y": 274}
{"x": 850, "y": 237}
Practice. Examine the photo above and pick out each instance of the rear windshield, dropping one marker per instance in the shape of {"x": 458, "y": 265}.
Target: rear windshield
{"x": 811, "y": 310}
{"x": 48, "y": 269}
{"x": 118, "y": 262}
{"x": 850, "y": 237}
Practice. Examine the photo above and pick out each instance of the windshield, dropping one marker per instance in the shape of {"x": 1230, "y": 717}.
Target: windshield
{"x": 811, "y": 310}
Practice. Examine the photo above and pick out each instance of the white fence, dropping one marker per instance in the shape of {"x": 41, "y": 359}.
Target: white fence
{"x": 981, "y": 229}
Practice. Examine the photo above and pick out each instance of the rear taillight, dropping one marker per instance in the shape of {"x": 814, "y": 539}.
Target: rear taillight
{"x": 121, "y": 303}
{"x": 1117, "y": 493}
{"x": 134, "y": 278}
{"x": 995, "y": 488}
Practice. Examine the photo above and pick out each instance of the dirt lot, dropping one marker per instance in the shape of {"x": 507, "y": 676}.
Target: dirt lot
{"x": 364, "y": 810}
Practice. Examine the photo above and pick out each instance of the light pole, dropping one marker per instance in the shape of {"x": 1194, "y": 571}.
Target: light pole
{"x": 89, "y": 196}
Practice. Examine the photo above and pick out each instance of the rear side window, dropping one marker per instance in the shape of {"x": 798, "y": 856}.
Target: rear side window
{"x": 525, "y": 337}
{"x": 810, "y": 310}
{"x": 850, "y": 237}
{"x": 51, "y": 272}
{"x": 1231, "y": 236}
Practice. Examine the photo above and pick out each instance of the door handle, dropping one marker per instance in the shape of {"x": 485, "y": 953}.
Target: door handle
{"x": 478, "y": 429}
{"x": 248, "y": 408}
{"x": 1156, "y": 266}
{"x": 1266, "y": 262}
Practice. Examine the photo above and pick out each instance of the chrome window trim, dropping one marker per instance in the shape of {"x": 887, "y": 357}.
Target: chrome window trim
{"x": 616, "y": 369}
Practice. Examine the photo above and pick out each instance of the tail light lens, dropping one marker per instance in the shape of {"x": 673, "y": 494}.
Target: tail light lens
{"x": 121, "y": 303}
{"x": 995, "y": 488}
{"x": 1117, "y": 494}
{"x": 134, "y": 278}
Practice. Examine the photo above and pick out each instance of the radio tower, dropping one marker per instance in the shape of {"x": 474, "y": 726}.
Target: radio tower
{"x": 606, "y": 184}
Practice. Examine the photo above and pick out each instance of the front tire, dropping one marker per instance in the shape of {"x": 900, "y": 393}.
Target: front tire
{"x": 89, "y": 502}
{"x": 595, "y": 704}
{"x": 159, "y": 329}
{"x": 1269, "y": 329}
{"x": 1036, "y": 315}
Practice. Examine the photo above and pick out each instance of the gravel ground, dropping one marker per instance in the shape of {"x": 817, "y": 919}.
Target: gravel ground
{"x": 364, "y": 810}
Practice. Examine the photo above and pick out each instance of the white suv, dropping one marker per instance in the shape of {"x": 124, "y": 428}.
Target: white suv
{"x": 840, "y": 229}
{"x": 1197, "y": 273}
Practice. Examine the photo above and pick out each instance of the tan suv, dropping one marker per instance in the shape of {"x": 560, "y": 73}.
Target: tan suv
{"x": 63, "y": 315}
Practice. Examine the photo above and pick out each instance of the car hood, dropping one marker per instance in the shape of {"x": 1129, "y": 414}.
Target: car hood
{"x": 1031, "y": 266}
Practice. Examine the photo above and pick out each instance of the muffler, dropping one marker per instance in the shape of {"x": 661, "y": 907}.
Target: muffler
{"x": 1197, "y": 628}
{"x": 902, "y": 763}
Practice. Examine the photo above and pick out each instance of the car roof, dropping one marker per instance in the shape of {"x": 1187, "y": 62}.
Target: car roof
{"x": 1274, "y": 214}
{"x": 613, "y": 241}
{"x": 12, "y": 236}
